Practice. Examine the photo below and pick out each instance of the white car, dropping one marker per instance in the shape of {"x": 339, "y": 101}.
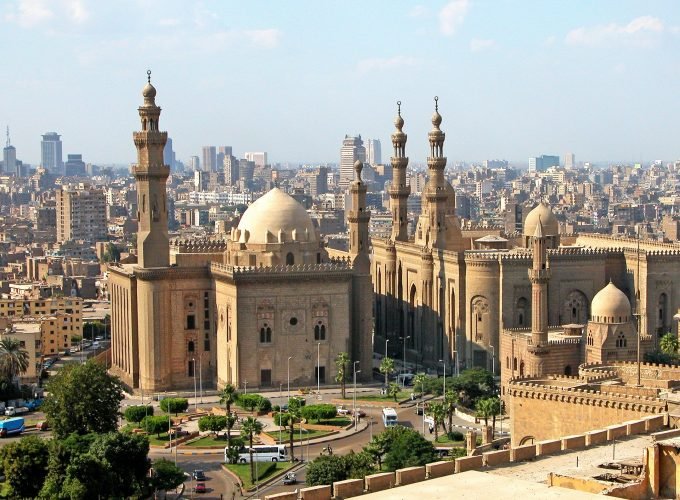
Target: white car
{"x": 343, "y": 411}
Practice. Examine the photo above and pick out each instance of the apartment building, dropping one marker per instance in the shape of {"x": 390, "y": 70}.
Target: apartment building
{"x": 81, "y": 214}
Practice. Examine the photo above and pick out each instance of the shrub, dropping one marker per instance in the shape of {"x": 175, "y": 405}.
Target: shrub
{"x": 276, "y": 408}
{"x": 319, "y": 412}
{"x": 155, "y": 425}
{"x": 252, "y": 402}
{"x": 137, "y": 413}
{"x": 174, "y": 405}
{"x": 455, "y": 436}
{"x": 212, "y": 423}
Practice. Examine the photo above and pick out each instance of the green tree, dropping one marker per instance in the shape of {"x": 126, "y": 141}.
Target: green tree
{"x": 249, "y": 428}
{"x": 419, "y": 382}
{"x": 13, "y": 358}
{"x": 125, "y": 459}
{"x": 387, "y": 368}
{"x": 669, "y": 344}
{"x": 393, "y": 390}
{"x": 174, "y": 405}
{"x": 155, "y": 425}
{"x": 438, "y": 413}
{"x": 484, "y": 409}
{"x": 212, "y": 423}
{"x": 61, "y": 453}
{"x": 319, "y": 412}
{"x": 137, "y": 413}
{"x": 166, "y": 475}
{"x": 83, "y": 398}
{"x": 494, "y": 410}
{"x": 407, "y": 448}
{"x": 228, "y": 397}
{"x": 24, "y": 463}
{"x": 341, "y": 361}
{"x": 111, "y": 253}
{"x": 450, "y": 400}
{"x": 473, "y": 384}
{"x": 326, "y": 469}
{"x": 295, "y": 406}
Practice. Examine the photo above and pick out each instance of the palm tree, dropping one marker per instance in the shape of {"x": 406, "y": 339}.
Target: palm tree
{"x": 386, "y": 367}
{"x": 393, "y": 390}
{"x": 669, "y": 344}
{"x": 251, "y": 427}
{"x": 438, "y": 414}
{"x": 13, "y": 358}
{"x": 495, "y": 409}
{"x": 294, "y": 415}
{"x": 341, "y": 362}
{"x": 419, "y": 380}
{"x": 450, "y": 400}
{"x": 229, "y": 396}
{"x": 484, "y": 409}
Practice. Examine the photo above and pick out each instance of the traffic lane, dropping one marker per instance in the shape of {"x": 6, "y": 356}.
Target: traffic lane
{"x": 217, "y": 482}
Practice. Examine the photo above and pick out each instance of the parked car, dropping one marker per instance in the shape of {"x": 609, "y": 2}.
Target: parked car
{"x": 200, "y": 488}
{"x": 199, "y": 475}
{"x": 290, "y": 478}
{"x": 342, "y": 410}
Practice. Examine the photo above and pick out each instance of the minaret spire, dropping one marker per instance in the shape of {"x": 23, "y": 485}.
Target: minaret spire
{"x": 153, "y": 249}
{"x": 399, "y": 191}
{"x": 436, "y": 194}
{"x": 358, "y": 220}
{"x": 539, "y": 275}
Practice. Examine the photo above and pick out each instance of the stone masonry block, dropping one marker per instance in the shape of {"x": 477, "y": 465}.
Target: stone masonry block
{"x": 410, "y": 475}
{"x": 596, "y": 437}
{"x": 492, "y": 458}
{"x": 469, "y": 463}
{"x": 380, "y": 481}
{"x": 616, "y": 431}
{"x": 348, "y": 488}
{"x": 548, "y": 447}
{"x": 525, "y": 452}
{"x": 322, "y": 492}
{"x": 654, "y": 423}
{"x": 574, "y": 442}
{"x": 439, "y": 469}
{"x": 634, "y": 427}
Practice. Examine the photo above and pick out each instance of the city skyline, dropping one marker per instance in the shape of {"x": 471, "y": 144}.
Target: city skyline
{"x": 515, "y": 79}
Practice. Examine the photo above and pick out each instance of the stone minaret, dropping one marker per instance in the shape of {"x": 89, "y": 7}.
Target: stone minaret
{"x": 362, "y": 286}
{"x": 153, "y": 249}
{"x": 539, "y": 275}
{"x": 399, "y": 191}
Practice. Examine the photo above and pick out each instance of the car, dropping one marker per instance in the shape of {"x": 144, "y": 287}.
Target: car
{"x": 343, "y": 411}
{"x": 290, "y": 478}
{"x": 200, "y": 488}
{"x": 199, "y": 475}
{"x": 361, "y": 413}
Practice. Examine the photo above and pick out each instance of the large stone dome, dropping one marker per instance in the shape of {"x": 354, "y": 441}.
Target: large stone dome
{"x": 610, "y": 305}
{"x": 548, "y": 221}
{"x": 276, "y": 213}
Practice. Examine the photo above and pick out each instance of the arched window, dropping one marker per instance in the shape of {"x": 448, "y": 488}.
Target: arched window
{"x": 320, "y": 331}
{"x": 621, "y": 340}
{"x": 290, "y": 259}
{"x": 265, "y": 334}
{"x": 521, "y": 368}
{"x": 567, "y": 370}
{"x": 190, "y": 346}
{"x": 514, "y": 364}
{"x": 507, "y": 361}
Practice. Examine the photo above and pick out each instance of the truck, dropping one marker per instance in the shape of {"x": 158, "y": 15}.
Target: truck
{"x": 10, "y": 411}
{"x": 11, "y": 426}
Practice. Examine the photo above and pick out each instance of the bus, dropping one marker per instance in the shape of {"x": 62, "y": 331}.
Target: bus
{"x": 389, "y": 416}
{"x": 261, "y": 453}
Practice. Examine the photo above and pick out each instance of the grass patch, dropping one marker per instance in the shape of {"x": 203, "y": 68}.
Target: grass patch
{"x": 306, "y": 434}
{"x": 159, "y": 441}
{"x": 444, "y": 439}
{"x": 336, "y": 421}
{"x": 401, "y": 395}
{"x": 264, "y": 469}
{"x": 209, "y": 440}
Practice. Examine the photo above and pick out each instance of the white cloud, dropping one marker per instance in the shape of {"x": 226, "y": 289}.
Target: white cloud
{"x": 478, "y": 44}
{"x": 419, "y": 11}
{"x": 381, "y": 64}
{"x": 77, "y": 11}
{"x": 169, "y": 22}
{"x": 640, "y": 31}
{"x": 30, "y": 13}
{"x": 452, "y": 15}
{"x": 264, "y": 39}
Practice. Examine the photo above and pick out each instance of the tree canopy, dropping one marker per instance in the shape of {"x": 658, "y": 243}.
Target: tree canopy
{"x": 174, "y": 405}
{"x": 166, "y": 475}
{"x": 24, "y": 464}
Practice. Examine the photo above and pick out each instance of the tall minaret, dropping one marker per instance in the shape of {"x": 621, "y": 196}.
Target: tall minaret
{"x": 153, "y": 249}
{"x": 539, "y": 275}
{"x": 399, "y": 191}
{"x": 358, "y": 221}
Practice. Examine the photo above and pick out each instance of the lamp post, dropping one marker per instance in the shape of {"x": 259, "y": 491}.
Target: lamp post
{"x": 403, "y": 381}
{"x": 386, "y": 341}
{"x": 200, "y": 375}
{"x": 318, "y": 369}
{"x": 245, "y": 387}
{"x": 443, "y": 363}
{"x": 193, "y": 363}
{"x": 354, "y": 394}
{"x": 289, "y": 358}
{"x": 455, "y": 356}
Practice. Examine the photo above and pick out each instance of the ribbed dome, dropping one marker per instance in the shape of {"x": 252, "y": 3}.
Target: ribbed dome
{"x": 276, "y": 211}
{"x": 149, "y": 91}
{"x": 610, "y": 305}
{"x": 548, "y": 221}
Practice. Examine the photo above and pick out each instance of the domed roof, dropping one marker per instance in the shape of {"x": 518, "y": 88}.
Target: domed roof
{"x": 149, "y": 91}
{"x": 547, "y": 218}
{"x": 276, "y": 211}
{"x": 610, "y": 303}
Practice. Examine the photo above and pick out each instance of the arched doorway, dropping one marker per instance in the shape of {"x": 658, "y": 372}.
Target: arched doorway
{"x": 574, "y": 308}
{"x": 662, "y": 324}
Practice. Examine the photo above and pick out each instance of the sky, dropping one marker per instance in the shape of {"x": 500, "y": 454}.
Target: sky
{"x": 514, "y": 78}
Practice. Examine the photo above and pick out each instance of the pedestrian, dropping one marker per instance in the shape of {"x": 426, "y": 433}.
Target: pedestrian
{"x": 431, "y": 428}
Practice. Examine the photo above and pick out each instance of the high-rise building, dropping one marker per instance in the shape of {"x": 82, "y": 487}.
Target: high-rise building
{"x": 352, "y": 150}
{"x": 231, "y": 173}
{"x": 373, "y": 154}
{"x": 209, "y": 159}
{"x": 194, "y": 163}
{"x": 9, "y": 158}
{"x": 225, "y": 150}
{"x": 50, "y": 152}
{"x": 543, "y": 163}
{"x": 569, "y": 160}
{"x": 74, "y": 165}
{"x": 260, "y": 159}
{"x": 169, "y": 155}
{"x": 81, "y": 214}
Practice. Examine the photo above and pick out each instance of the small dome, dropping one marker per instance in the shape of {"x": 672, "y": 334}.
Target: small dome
{"x": 276, "y": 212}
{"x": 399, "y": 122}
{"x": 149, "y": 91}
{"x": 610, "y": 304}
{"x": 548, "y": 220}
{"x": 358, "y": 167}
{"x": 436, "y": 119}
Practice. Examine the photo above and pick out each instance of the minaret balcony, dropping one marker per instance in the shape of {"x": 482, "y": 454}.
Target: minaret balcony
{"x": 539, "y": 275}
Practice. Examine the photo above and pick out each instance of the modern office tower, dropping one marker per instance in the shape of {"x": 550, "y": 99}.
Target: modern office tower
{"x": 569, "y": 160}
{"x": 9, "y": 158}
{"x": 543, "y": 163}
{"x": 169, "y": 157}
{"x": 495, "y": 163}
{"x": 373, "y": 155}
{"x": 246, "y": 169}
{"x": 231, "y": 174}
{"x": 352, "y": 150}
{"x": 225, "y": 150}
{"x": 74, "y": 165}
{"x": 209, "y": 159}
{"x": 50, "y": 152}
{"x": 260, "y": 159}
{"x": 81, "y": 213}
{"x": 194, "y": 163}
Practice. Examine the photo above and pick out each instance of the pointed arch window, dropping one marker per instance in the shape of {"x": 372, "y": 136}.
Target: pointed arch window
{"x": 265, "y": 334}
{"x": 621, "y": 340}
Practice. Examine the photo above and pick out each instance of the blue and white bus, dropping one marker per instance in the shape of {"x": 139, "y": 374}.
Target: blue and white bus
{"x": 261, "y": 453}
{"x": 389, "y": 416}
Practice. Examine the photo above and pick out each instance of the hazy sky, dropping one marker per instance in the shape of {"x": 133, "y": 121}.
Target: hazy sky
{"x": 515, "y": 78}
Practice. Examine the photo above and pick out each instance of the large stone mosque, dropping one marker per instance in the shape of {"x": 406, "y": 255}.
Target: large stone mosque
{"x": 267, "y": 303}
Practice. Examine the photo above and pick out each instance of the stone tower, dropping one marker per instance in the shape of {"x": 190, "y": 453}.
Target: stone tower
{"x": 362, "y": 286}
{"x": 399, "y": 191}
{"x": 539, "y": 275}
{"x": 151, "y": 173}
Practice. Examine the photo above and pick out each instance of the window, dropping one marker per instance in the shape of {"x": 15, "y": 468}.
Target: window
{"x": 190, "y": 370}
{"x": 621, "y": 340}
{"x": 190, "y": 346}
{"x": 320, "y": 331}
{"x": 293, "y": 321}
{"x": 206, "y": 345}
{"x": 265, "y": 334}
{"x": 191, "y": 322}
{"x": 320, "y": 374}
{"x": 265, "y": 377}
{"x": 290, "y": 259}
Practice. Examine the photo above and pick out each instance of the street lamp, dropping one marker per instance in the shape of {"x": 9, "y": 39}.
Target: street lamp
{"x": 443, "y": 363}
{"x": 455, "y": 355}
{"x": 289, "y": 358}
{"x": 403, "y": 381}
{"x": 200, "y": 375}
{"x": 245, "y": 387}
{"x": 354, "y": 394}
{"x": 386, "y": 341}
{"x": 318, "y": 369}
{"x": 193, "y": 367}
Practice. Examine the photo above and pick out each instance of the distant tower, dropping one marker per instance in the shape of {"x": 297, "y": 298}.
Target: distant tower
{"x": 151, "y": 173}
{"x": 539, "y": 275}
{"x": 352, "y": 150}
{"x": 9, "y": 158}
{"x": 373, "y": 152}
{"x": 209, "y": 159}
{"x": 50, "y": 152}
{"x": 399, "y": 190}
